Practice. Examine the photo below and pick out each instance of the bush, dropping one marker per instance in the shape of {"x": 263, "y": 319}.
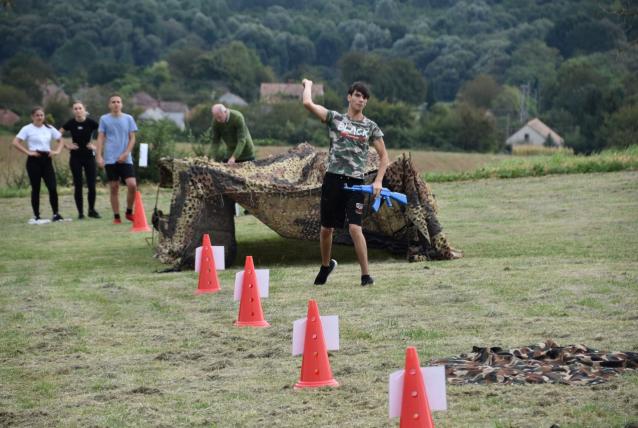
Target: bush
{"x": 202, "y": 145}
{"x": 535, "y": 150}
{"x": 558, "y": 163}
{"x": 161, "y": 137}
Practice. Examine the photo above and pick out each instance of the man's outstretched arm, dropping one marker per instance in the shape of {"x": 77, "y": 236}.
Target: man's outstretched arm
{"x": 318, "y": 110}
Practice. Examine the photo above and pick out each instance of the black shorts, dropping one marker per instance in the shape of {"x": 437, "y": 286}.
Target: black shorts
{"x": 117, "y": 171}
{"x": 339, "y": 206}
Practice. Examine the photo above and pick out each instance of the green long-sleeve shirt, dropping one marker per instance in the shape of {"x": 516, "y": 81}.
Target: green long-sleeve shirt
{"x": 235, "y": 135}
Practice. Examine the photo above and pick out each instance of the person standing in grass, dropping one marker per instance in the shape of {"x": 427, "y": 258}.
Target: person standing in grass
{"x": 116, "y": 138}
{"x": 351, "y": 134}
{"x": 82, "y": 129}
{"x": 38, "y": 136}
{"x": 230, "y": 126}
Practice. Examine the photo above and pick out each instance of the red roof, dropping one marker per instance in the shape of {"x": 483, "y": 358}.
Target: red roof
{"x": 287, "y": 90}
{"x": 544, "y": 130}
{"x": 7, "y": 117}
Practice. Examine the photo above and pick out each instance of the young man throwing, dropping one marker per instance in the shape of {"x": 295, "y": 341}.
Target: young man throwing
{"x": 116, "y": 136}
{"x": 350, "y": 134}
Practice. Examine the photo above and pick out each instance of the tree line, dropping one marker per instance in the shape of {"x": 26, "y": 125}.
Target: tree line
{"x": 446, "y": 74}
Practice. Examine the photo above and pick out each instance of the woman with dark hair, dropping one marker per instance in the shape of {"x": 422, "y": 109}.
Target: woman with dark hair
{"x": 38, "y": 136}
{"x": 82, "y": 129}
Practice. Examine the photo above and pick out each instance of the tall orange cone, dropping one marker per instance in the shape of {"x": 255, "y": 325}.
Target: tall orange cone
{"x": 139, "y": 216}
{"x": 208, "y": 280}
{"x": 415, "y": 409}
{"x": 250, "y": 312}
{"x": 315, "y": 366}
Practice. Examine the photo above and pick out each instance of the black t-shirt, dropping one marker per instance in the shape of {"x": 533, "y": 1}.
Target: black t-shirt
{"x": 81, "y": 133}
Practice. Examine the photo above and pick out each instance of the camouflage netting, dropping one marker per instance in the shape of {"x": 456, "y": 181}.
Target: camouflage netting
{"x": 543, "y": 363}
{"x": 283, "y": 192}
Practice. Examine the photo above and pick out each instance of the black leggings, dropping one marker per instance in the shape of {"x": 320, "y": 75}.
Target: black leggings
{"x": 41, "y": 168}
{"x": 77, "y": 163}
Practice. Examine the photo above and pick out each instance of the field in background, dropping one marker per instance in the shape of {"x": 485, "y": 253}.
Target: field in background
{"x": 92, "y": 336}
{"x": 425, "y": 161}
{"x": 12, "y": 162}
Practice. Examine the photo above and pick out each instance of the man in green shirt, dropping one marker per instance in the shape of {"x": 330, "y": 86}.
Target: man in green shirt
{"x": 230, "y": 126}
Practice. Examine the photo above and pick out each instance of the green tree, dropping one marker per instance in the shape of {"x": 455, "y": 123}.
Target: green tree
{"x": 27, "y": 72}
{"x": 480, "y": 92}
{"x": 237, "y": 66}
{"x": 74, "y": 55}
{"x": 391, "y": 79}
{"x": 58, "y": 111}
{"x": 161, "y": 137}
{"x": 588, "y": 93}
{"x": 621, "y": 127}
{"x": 476, "y": 130}
{"x": 534, "y": 61}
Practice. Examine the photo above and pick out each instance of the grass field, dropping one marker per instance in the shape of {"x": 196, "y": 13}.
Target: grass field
{"x": 92, "y": 336}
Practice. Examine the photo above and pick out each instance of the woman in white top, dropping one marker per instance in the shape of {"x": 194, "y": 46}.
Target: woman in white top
{"x": 38, "y": 136}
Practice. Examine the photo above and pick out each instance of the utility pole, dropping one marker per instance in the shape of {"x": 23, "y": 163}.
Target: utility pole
{"x": 522, "y": 110}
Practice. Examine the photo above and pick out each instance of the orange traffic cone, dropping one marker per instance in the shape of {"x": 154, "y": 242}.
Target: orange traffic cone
{"x": 315, "y": 366}
{"x": 250, "y": 312}
{"x": 208, "y": 280}
{"x": 139, "y": 216}
{"x": 415, "y": 409}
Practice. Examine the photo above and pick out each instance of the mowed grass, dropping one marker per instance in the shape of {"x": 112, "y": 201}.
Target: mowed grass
{"x": 92, "y": 336}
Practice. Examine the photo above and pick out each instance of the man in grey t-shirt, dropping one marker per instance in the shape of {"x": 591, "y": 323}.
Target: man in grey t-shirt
{"x": 351, "y": 134}
{"x": 116, "y": 137}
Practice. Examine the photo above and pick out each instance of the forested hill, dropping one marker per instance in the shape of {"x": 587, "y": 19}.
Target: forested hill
{"x": 571, "y": 61}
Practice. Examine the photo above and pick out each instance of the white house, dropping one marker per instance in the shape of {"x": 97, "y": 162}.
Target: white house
{"x": 535, "y": 133}
{"x": 172, "y": 110}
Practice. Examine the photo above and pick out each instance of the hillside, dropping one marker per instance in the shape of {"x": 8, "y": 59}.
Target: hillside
{"x": 568, "y": 61}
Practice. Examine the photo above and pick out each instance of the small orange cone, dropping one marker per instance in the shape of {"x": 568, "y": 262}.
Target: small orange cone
{"x": 315, "y": 366}
{"x": 208, "y": 280}
{"x": 415, "y": 409}
{"x": 250, "y": 312}
{"x": 139, "y": 216}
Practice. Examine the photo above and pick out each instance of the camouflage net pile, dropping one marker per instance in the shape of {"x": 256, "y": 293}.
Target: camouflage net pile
{"x": 543, "y": 363}
{"x": 283, "y": 192}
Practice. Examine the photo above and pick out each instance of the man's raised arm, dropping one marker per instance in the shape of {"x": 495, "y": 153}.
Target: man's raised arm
{"x": 318, "y": 110}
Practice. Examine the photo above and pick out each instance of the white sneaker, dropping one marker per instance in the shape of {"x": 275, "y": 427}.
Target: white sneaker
{"x": 39, "y": 221}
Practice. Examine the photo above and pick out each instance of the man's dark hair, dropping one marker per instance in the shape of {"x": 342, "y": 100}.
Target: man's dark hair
{"x": 361, "y": 87}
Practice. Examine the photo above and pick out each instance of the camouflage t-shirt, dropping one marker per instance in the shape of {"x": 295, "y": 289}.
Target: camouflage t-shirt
{"x": 349, "y": 143}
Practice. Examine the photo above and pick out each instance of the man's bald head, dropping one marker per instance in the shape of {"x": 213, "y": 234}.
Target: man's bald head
{"x": 220, "y": 113}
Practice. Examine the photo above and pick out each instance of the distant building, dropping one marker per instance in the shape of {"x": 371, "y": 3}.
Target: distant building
{"x": 277, "y": 92}
{"x": 144, "y": 100}
{"x": 8, "y": 118}
{"x": 174, "y": 111}
{"x": 230, "y": 99}
{"x": 52, "y": 92}
{"x": 536, "y": 133}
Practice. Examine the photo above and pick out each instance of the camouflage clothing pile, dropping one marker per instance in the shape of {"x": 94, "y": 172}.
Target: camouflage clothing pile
{"x": 283, "y": 192}
{"x": 543, "y": 363}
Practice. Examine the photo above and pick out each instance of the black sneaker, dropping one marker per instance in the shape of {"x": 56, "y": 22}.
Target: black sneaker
{"x": 80, "y": 216}
{"x": 366, "y": 280}
{"x": 94, "y": 214}
{"x": 324, "y": 271}
{"x": 57, "y": 217}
